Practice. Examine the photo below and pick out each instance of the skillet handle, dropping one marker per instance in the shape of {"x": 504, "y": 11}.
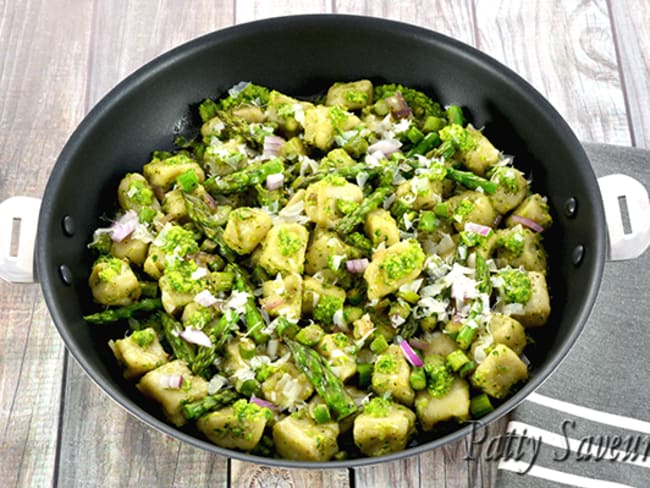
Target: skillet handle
{"x": 632, "y": 242}
{"x": 19, "y": 214}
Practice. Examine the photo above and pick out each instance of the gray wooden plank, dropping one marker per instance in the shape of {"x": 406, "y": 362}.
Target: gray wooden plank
{"x": 117, "y": 449}
{"x": 565, "y": 49}
{"x": 249, "y": 10}
{"x": 450, "y": 17}
{"x": 39, "y": 108}
{"x": 246, "y": 475}
{"x": 630, "y": 23}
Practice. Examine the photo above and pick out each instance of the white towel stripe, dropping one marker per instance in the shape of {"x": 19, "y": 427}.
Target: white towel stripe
{"x": 574, "y": 445}
{"x": 628, "y": 423}
{"x": 559, "y": 476}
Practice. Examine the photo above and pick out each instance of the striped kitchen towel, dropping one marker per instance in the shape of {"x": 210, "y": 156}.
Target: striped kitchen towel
{"x": 588, "y": 425}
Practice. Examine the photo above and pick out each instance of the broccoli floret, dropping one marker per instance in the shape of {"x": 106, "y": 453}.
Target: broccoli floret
{"x": 245, "y": 93}
{"x": 326, "y": 308}
{"x": 377, "y": 407}
{"x": 246, "y": 411}
{"x": 179, "y": 278}
{"x": 439, "y": 378}
{"x": 421, "y": 105}
{"x": 516, "y": 286}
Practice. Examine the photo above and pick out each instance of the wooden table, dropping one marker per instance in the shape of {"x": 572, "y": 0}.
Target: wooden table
{"x": 59, "y": 57}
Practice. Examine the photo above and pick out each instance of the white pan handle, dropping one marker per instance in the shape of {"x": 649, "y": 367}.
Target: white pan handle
{"x": 614, "y": 190}
{"x": 18, "y": 215}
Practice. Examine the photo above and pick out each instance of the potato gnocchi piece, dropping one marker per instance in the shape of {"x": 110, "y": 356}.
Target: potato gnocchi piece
{"x": 321, "y": 200}
{"x": 113, "y": 282}
{"x": 499, "y": 372}
{"x": 283, "y": 249}
{"x": 139, "y": 353}
{"x": 246, "y": 228}
{"x": 431, "y": 410}
{"x": 158, "y": 384}
{"x": 300, "y": 438}
{"x": 383, "y": 427}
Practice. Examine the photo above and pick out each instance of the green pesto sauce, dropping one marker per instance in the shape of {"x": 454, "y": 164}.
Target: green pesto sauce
{"x": 246, "y": 411}
{"x": 289, "y": 243}
{"x": 338, "y": 116}
{"x": 178, "y": 159}
{"x": 143, "y": 338}
{"x": 356, "y": 96}
{"x": 140, "y": 192}
{"x": 460, "y": 137}
{"x": 377, "y": 407}
{"x": 397, "y": 266}
{"x": 507, "y": 178}
{"x": 180, "y": 278}
{"x": 463, "y": 209}
{"x": 386, "y": 364}
{"x": 111, "y": 269}
{"x": 326, "y": 308}
{"x": 439, "y": 379}
{"x": 513, "y": 241}
{"x": 179, "y": 242}
{"x": 517, "y": 287}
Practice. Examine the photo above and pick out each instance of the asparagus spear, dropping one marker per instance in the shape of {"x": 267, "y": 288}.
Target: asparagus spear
{"x": 239, "y": 181}
{"x": 358, "y": 240}
{"x": 252, "y": 315}
{"x": 482, "y": 273}
{"x": 347, "y": 172}
{"x": 126, "y": 312}
{"x": 180, "y": 348}
{"x": 431, "y": 140}
{"x": 472, "y": 181}
{"x": 218, "y": 335}
{"x": 326, "y": 383}
{"x": 354, "y": 218}
{"x": 194, "y": 410}
{"x": 200, "y": 214}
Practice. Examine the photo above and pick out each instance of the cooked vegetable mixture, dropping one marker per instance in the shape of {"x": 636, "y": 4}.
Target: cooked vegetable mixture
{"x": 324, "y": 279}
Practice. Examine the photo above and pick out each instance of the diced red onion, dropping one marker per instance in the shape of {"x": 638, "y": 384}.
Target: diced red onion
{"x": 357, "y": 265}
{"x": 272, "y": 145}
{"x": 263, "y": 403}
{"x": 274, "y": 181}
{"x": 171, "y": 381}
{"x": 385, "y": 146}
{"x": 482, "y": 230}
{"x": 398, "y": 106}
{"x": 159, "y": 191}
{"x": 531, "y": 224}
{"x": 210, "y": 201}
{"x": 205, "y": 298}
{"x": 195, "y": 336}
{"x": 124, "y": 226}
{"x": 270, "y": 305}
{"x": 410, "y": 354}
{"x": 418, "y": 344}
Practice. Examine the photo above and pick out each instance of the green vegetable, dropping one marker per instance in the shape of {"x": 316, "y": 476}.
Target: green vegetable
{"x": 252, "y": 316}
{"x": 358, "y": 215}
{"x": 472, "y": 181}
{"x": 365, "y": 374}
{"x": 418, "y": 378}
{"x": 455, "y": 115}
{"x": 326, "y": 383}
{"x": 480, "y": 405}
{"x": 457, "y": 359}
{"x": 126, "y": 312}
{"x": 428, "y": 221}
{"x": 250, "y": 94}
{"x": 188, "y": 181}
{"x": 421, "y": 105}
{"x": 321, "y": 414}
{"x": 210, "y": 403}
{"x": 239, "y": 181}
{"x": 465, "y": 336}
{"x": 180, "y": 348}
{"x": 379, "y": 344}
